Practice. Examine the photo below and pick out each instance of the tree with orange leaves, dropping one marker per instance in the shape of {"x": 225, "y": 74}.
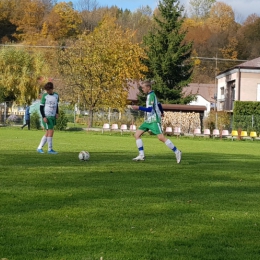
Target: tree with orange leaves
{"x": 97, "y": 66}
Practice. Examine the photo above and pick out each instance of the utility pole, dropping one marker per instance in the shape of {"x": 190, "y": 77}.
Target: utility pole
{"x": 215, "y": 94}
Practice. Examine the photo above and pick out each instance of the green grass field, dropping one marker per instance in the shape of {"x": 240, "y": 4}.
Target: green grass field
{"x": 111, "y": 208}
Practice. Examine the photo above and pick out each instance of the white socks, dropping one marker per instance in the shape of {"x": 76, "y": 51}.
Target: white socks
{"x": 140, "y": 146}
{"x": 171, "y": 145}
{"x": 43, "y": 142}
{"x": 49, "y": 141}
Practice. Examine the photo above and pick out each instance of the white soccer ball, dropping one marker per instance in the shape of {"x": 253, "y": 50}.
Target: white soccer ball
{"x": 84, "y": 156}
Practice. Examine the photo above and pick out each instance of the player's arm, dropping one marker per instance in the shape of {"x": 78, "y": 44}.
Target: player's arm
{"x": 57, "y": 111}
{"x": 42, "y": 110}
{"x": 42, "y": 105}
{"x": 57, "y": 107}
{"x": 161, "y": 109}
{"x": 42, "y": 113}
{"x": 148, "y": 109}
{"x": 145, "y": 109}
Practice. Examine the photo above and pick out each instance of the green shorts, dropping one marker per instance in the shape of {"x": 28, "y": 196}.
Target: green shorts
{"x": 155, "y": 128}
{"x": 50, "y": 124}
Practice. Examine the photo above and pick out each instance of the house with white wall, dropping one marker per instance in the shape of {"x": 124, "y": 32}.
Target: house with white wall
{"x": 204, "y": 95}
{"x": 239, "y": 83}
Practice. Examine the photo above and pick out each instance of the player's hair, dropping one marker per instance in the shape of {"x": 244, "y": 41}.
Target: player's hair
{"x": 48, "y": 85}
{"x": 147, "y": 83}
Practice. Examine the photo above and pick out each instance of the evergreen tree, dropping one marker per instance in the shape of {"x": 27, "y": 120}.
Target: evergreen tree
{"x": 168, "y": 55}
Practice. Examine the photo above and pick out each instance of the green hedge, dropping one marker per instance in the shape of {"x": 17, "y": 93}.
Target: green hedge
{"x": 246, "y": 116}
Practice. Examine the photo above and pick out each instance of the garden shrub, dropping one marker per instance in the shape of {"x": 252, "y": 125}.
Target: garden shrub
{"x": 62, "y": 120}
{"x": 35, "y": 120}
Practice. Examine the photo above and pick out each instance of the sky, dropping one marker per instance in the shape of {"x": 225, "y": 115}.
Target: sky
{"x": 242, "y": 8}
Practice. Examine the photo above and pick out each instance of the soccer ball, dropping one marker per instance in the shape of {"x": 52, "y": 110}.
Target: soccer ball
{"x": 84, "y": 156}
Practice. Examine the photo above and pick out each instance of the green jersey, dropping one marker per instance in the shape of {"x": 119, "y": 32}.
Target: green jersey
{"x": 155, "y": 115}
{"x": 50, "y": 103}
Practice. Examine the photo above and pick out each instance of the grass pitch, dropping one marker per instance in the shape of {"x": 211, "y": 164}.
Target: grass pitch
{"x": 111, "y": 208}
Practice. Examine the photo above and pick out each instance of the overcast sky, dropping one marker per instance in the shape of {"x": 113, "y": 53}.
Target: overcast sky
{"x": 242, "y": 8}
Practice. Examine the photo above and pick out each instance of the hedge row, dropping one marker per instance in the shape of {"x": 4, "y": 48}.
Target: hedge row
{"x": 246, "y": 116}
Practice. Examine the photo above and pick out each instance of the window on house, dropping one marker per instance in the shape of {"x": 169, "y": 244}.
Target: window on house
{"x": 222, "y": 90}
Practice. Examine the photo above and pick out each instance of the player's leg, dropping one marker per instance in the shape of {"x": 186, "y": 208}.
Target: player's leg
{"x": 156, "y": 129}
{"x": 169, "y": 144}
{"x": 139, "y": 143}
{"x": 47, "y": 138}
{"x": 42, "y": 143}
{"x": 44, "y": 138}
{"x": 50, "y": 132}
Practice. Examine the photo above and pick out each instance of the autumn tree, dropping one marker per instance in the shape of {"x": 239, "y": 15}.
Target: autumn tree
{"x": 7, "y": 28}
{"x": 19, "y": 74}
{"x": 88, "y": 5}
{"x": 140, "y": 20}
{"x": 200, "y": 9}
{"x": 62, "y": 22}
{"x": 168, "y": 55}
{"x": 224, "y": 35}
{"x": 90, "y": 14}
{"x": 213, "y": 36}
{"x": 28, "y": 17}
{"x": 249, "y": 38}
{"x": 97, "y": 66}
{"x": 221, "y": 17}
{"x": 200, "y": 34}
{"x": 22, "y": 20}
{"x": 230, "y": 51}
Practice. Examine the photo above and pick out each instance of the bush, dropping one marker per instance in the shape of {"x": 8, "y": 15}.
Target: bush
{"x": 62, "y": 120}
{"x": 219, "y": 120}
{"x": 35, "y": 120}
{"x": 247, "y": 116}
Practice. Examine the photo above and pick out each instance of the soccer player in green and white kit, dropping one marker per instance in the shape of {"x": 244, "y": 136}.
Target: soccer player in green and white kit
{"x": 152, "y": 123}
{"x": 50, "y": 111}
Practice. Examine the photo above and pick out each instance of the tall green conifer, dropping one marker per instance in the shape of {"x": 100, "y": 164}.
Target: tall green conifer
{"x": 168, "y": 55}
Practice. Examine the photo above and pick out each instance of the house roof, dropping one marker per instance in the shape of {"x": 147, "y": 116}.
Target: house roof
{"x": 251, "y": 64}
{"x": 133, "y": 90}
{"x": 186, "y": 108}
{"x": 255, "y": 63}
{"x": 207, "y": 91}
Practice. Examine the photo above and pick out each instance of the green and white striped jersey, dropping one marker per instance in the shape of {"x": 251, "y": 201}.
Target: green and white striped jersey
{"x": 155, "y": 115}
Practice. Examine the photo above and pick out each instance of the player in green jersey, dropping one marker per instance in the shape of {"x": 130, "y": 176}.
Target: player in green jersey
{"x": 50, "y": 111}
{"x": 152, "y": 122}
